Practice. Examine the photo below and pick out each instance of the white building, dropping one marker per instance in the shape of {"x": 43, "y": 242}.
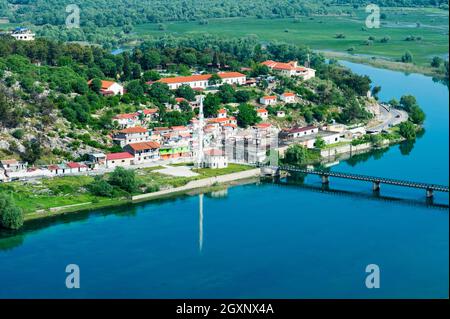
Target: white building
{"x": 127, "y": 120}
{"x": 131, "y": 135}
{"x": 262, "y": 113}
{"x": 222, "y": 114}
{"x": 288, "y": 97}
{"x": 143, "y": 151}
{"x": 214, "y": 158}
{"x": 22, "y": 34}
{"x": 122, "y": 159}
{"x": 281, "y": 113}
{"x": 299, "y": 132}
{"x": 290, "y": 69}
{"x": 202, "y": 80}
{"x": 268, "y": 100}
{"x": 110, "y": 88}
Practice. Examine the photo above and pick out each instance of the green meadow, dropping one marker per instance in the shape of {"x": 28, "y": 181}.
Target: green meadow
{"x": 430, "y": 25}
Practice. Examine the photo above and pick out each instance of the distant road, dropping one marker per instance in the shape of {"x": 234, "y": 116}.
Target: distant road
{"x": 389, "y": 117}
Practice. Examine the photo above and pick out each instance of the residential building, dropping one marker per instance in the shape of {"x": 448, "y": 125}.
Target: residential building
{"x": 290, "y": 69}
{"x": 126, "y": 120}
{"x": 298, "y": 132}
{"x": 143, "y": 151}
{"x": 214, "y": 158}
{"x": 74, "y": 167}
{"x": 174, "y": 151}
{"x": 13, "y": 166}
{"x": 131, "y": 135}
{"x": 122, "y": 159}
{"x": 222, "y": 113}
{"x": 110, "y": 87}
{"x": 268, "y": 100}
{"x": 96, "y": 160}
{"x": 288, "y": 97}
{"x": 262, "y": 113}
{"x": 22, "y": 34}
{"x": 202, "y": 80}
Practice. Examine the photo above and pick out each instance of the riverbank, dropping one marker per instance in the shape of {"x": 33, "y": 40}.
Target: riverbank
{"x": 382, "y": 63}
{"x": 205, "y": 184}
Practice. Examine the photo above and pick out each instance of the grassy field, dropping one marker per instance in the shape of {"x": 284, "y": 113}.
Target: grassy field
{"x": 319, "y": 32}
{"x": 70, "y": 190}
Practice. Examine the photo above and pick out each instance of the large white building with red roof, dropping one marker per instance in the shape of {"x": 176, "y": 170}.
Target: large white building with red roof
{"x": 290, "y": 69}
{"x": 122, "y": 159}
{"x": 131, "y": 135}
{"x": 202, "y": 80}
{"x": 143, "y": 151}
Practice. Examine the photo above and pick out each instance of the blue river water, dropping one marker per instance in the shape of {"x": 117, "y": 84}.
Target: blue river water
{"x": 261, "y": 240}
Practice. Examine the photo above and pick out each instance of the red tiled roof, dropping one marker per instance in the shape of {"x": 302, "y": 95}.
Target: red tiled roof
{"x": 105, "y": 84}
{"x": 117, "y": 156}
{"x": 150, "y": 111}
{"x": 126, "y": 116}
{"x": 199, "y": 77}
{"x": 263, "y": 125}
{"x": 161, "y": 129}
{"x": 261, "y": 110}
{"x": 144, "y": 146}
{"x": 179, "y": 128}
{"x": 301, "y": 129}
{"x": 270, "y": 97}
{"x": 136, "y": 129}
{"x": 74, "y": 165}
{"x": 180, "y": 99}
{"x": 221, "y": 111}
{"x": 289, "y": 94}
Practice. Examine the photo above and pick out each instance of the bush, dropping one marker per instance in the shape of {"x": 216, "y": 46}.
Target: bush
{"x": 100, "y": 187}
{"x": 19, "y": 133}
{"x": 11, "y": 216}
{"x": 124, "y": 179}
{"x": 407, "y": 130}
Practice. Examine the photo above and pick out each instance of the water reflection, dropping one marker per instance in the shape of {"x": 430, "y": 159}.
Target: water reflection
{"x": 200, "y": 219}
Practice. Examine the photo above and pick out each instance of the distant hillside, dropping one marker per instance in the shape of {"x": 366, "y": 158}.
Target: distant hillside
{"x": 132, "y": 12}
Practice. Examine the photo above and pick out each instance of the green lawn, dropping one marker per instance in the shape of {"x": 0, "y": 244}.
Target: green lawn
{"x": 319, "y": 32}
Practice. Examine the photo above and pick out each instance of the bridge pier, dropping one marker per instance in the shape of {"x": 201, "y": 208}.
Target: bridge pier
{"x": 429, "y": 193}
{"x": 376, "y": 186}
{"x": 325, "y": 179}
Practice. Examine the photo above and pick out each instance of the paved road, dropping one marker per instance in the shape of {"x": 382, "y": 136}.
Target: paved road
{"x": 389, "y": 118}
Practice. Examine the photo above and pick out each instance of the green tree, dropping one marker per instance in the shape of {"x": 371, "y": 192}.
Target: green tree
{"x": 211, "y": 104}
{"x": 124, "y": 179}
{"x": 320, "y": 142}
{"x": 100, "y": 187}
{"x": 96, "y": 85}
{"x": 416, "y": 115}
{"x": 247, "y": 115}
{"x": 407, "y": 130}
{"x": 407, "y": 57}
{"x": 186, "y": 91}
{"x": 214, "y": 79}
{"x": 296, "y": 155}
{"x": 151, "y": 76}
{"x": 436, "y": 62}
{"x": 11, "y": 216}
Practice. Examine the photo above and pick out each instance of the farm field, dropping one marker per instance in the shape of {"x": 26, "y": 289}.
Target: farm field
{"x": 319, "y": 32}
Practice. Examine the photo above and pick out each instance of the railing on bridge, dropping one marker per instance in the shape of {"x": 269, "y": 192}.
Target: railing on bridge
{"x": 375, "y": 180}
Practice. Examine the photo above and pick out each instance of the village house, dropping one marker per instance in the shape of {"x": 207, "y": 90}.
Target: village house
{"x": 131, "y": 135}
{"x": 75, "y": 167}
{"x": 22, "y": 34}
{"x": 143, "y": 151}
{"x": 13, "y": 166}
{"x": 127, "y": 120}
{"x": 148, "y": 115}
{"x": 110, "y": 87}
{"x": 268, "y": 100}
{"x": 202, "y": 80}
{"x": 96, "y": 160}
{"x": 222, "y": 113}
{"x": 214, "y": 158}
{"x": 297, "y": 132}
{"x": 262, "y": 113}
{"x": 122, "y": 159}
{"x": 288, "y": 97}
{"x": 290, "y": 69}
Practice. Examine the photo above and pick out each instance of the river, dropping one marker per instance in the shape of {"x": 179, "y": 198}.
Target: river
{"x": 261, "y": 240}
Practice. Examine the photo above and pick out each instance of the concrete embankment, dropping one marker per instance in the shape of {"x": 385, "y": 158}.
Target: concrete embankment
{"x": 201, "y": 183}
